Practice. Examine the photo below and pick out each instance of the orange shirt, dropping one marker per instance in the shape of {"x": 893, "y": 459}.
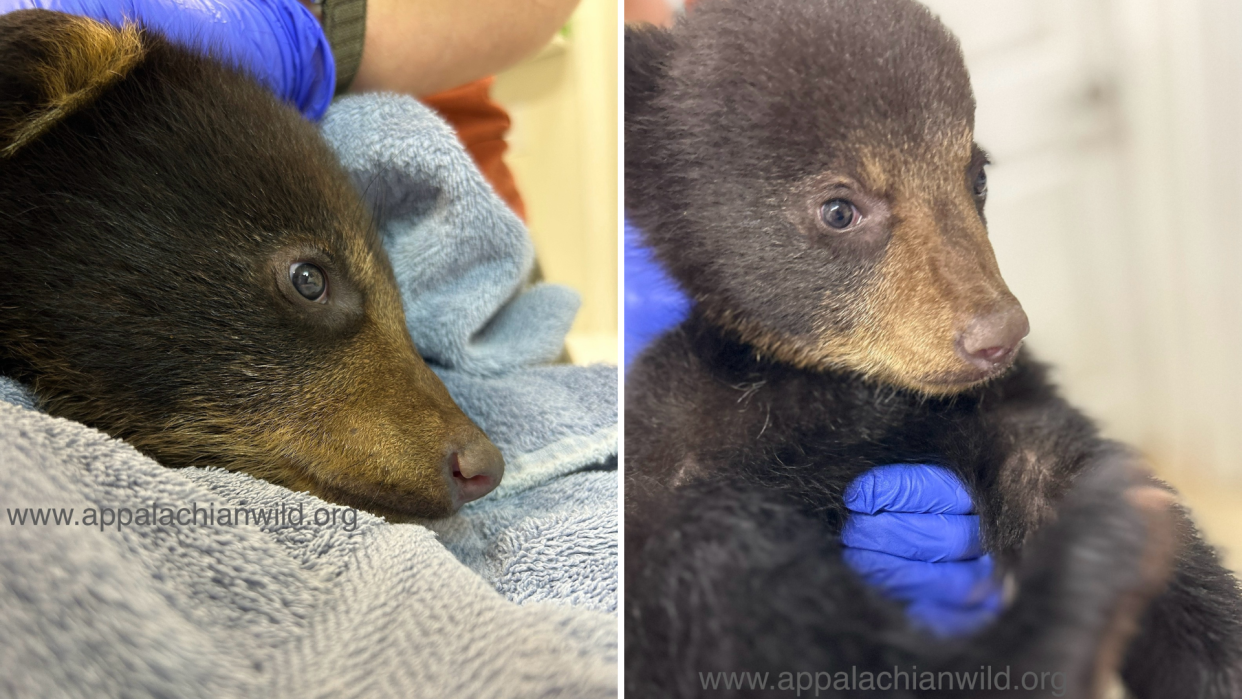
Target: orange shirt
{"x": 481, "y": 125}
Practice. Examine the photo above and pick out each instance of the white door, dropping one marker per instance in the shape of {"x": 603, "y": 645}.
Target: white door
{"x": 1114, "y": 206}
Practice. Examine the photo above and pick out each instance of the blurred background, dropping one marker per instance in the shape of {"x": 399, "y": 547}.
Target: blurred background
{"x": 563, "y": 154}
{"x": 1115, "y": 209}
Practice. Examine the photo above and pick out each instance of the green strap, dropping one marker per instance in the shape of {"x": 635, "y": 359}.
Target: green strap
{"x": 345, "y": 25}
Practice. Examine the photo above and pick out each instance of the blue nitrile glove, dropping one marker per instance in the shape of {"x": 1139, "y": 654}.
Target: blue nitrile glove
{"x": 278, "y": 41}
{"x": 913, "y": 534}
{"x": 653, "y": 301}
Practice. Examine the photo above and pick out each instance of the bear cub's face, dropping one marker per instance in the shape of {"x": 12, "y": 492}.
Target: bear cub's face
{"x": 808, "y": 172}
{"x": 186, "y": 267}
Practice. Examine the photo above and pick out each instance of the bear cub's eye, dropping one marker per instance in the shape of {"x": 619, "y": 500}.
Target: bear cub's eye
{"x": 310, "y": 281}
{"x": 981, "y": 184}
{"x": 839, "y": 214}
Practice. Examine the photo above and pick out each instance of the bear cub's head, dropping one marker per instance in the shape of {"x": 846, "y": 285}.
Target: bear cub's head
{"x": 808, "y": 173}
{"x": 185, "y": 266}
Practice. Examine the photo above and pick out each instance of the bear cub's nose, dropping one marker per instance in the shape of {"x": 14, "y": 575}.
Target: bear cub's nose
{"x": 474, "y": 468}
{"x": 991, "y": 340}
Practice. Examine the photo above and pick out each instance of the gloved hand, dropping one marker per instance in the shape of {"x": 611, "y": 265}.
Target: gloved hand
{"x": 278, "y": 41}
{"x": 912, "y": 534}
{"x": 653, "y": 301}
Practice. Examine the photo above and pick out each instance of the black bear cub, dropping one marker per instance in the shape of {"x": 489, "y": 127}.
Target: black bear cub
{"x": 186, "y": 266}
{"x": 807, "y": 170}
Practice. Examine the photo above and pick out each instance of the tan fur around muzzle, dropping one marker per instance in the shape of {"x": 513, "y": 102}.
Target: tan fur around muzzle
{"x": 938, "y": 272}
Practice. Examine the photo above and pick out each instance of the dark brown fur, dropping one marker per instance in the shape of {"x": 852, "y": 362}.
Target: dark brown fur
{"x": 890, "y": 129}
{"x": 151, "y": 204}
{"x": 812, "y": 355}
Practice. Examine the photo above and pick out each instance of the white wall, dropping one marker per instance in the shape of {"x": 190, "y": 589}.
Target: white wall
{"x": 1115, "y": 127}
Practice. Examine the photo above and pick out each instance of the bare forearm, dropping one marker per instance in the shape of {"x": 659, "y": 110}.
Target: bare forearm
{"x": 424, "y": 46}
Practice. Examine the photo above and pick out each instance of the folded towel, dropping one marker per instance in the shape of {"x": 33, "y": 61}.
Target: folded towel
{"x": 515, "y": 596}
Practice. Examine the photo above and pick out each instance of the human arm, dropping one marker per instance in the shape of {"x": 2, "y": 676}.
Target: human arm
{"x": 424, "y": 46}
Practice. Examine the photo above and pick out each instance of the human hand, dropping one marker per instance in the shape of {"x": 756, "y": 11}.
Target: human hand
{"x": 654, "y": 303}
{"x": 278, "y": 41}
{"x": 913, "y": 534}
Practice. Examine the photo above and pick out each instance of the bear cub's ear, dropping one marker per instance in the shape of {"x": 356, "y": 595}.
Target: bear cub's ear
{"x": 52, "y": 64}
{"x": 647, "y": 52}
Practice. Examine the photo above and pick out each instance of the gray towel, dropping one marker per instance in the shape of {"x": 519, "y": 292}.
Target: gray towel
{"x": 513, "y": 597}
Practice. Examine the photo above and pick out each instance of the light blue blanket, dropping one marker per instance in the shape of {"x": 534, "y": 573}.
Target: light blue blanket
{"x": 513, "y": 597}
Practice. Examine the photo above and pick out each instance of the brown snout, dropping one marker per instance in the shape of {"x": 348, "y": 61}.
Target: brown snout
{"x": 991, "y": 340}
{"x": 473, "y": 467}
